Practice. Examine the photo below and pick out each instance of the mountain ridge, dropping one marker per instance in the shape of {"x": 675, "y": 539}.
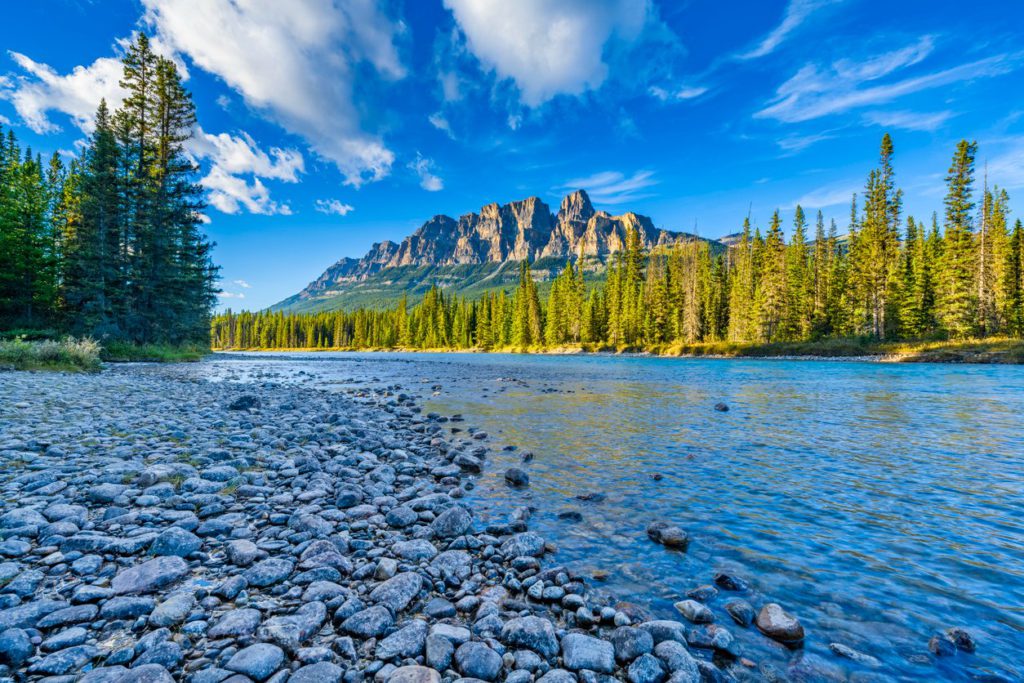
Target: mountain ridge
{"x": 480, "y": 242}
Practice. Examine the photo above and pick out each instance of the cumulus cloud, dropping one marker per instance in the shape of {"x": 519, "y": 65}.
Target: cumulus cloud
{"x": 229, "y": 158}
{"x": 239, "y": 154}
{"x": 797, "y": 12}
{"x": 296, "y": 63}
{"x": 42, "y": 90}
{"x": 612, "y": 187}
{"x": 548, "y": 47}
{"x": 231, "y": 295}
{"x": 242, "y": 283}
{"x": 231, "y": 194}
{"x": 424, "y": 168}
{"x": 816, "y": 91}
{"x": 333, "y": 207}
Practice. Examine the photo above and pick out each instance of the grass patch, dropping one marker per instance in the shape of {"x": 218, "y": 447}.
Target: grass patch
{"x": 124, "y": 352}
{"x": 68, "y": 354}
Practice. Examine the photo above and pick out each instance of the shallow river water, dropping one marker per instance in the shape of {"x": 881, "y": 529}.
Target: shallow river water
{"x": 878, "y": 503}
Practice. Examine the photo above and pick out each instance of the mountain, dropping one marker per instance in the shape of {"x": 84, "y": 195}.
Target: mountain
{"x": 478, "y": 252}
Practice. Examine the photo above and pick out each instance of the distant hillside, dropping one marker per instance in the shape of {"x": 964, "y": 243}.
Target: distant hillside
{"x": 478, "y": 253}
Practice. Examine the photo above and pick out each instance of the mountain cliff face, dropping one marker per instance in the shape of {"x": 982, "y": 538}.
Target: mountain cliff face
{"x": 497, "y": 235}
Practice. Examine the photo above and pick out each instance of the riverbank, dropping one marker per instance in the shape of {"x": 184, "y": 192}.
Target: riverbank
{"x": 1008, "y": 351}
{"x": 198, "y": 530}
{"x": 86, "y": 355}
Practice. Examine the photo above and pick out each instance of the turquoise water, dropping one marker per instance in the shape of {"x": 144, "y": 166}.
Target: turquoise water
{"x": 878, "y": 503}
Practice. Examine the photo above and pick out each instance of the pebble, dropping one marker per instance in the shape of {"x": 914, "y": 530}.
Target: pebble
{"x": 167, "y": 529}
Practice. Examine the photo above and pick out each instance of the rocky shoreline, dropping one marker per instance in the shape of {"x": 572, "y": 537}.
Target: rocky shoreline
{"x": 156, "y": 527}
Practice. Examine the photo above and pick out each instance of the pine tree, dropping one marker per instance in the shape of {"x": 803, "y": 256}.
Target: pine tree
{"x": 799, "y": 283}
{"x": 771, "y": 292}
{"x": 957, "y": 297}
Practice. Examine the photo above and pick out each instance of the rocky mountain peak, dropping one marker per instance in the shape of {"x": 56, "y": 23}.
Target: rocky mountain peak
{"x": 499, "y": 233}
{"x": 576, "y": 207}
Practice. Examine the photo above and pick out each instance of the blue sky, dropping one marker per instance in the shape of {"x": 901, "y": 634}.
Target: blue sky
{"x": 327, "y": 125}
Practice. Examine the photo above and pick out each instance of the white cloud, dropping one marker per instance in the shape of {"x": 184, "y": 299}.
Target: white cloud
{"x": 832, "y": 195}
{"x": 243, "y": 284}
{"x": 798, "y": 143}
{"x": 612, "y": 187}
{"x": 231, "y": 295}
{"x": 439, "y": 121}
{"x": 76, "y": 94}
{"x": 815, "y": 91}
{"x": 333, "y": 207}
{"x": 241, "y": 155}
{"x": 682, "y": 93}
{"x": 230, "y": 194}
{"x": 424, "y": 169}
{"x": 295, "y": 63}
{"x": 909, "y": 120}
{"x": 1006, "y": 168}
{"x": 796, "y": 14}
{"x": 548, "y": 47}
{"x": 232, "y": 156}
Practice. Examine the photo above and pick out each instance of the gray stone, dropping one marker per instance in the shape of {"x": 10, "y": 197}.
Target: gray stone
{"x": 741, "y": 611}
{"x": 173, "y": 610}
{"x": 415, "y": 550}
{"x": 319, "y": 672}
{"x": 695, "y": 612}
{"x": 64, "y": 661}
{"x": 397, "y": 592}
{"x": 534, "y": 633}
{"x": 414, "y": 674}
{"x": 779, "y": 625}
{"x": 28, "y": 614}
{"x": 452, "y": 522}
{"x": 677, "y": 659}
{"x": 242, "y": 552}
{"x": 667, "y": 535}
{"x": 150, "y": 576}
{"x": 257, "y": 661}
{"x": 15, "y": 647}
{"x": 646, "y": 669}
{"x": 175, "y": 541}
{"x": 408, "y": 641}
{"x": 476, "y": 660}
{"x": 439, "y": 651}
{"x": 630, "y": 642}
{"x": 372, "y": 622}
{"x": 268, "y": 572}
{"x": 526, "y": 543}
{"x": 150, "y": 673}
{"x": 238, "y": 622}
{"x": 580, "y": 651}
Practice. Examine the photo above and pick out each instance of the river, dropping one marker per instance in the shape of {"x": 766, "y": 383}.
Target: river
{"x": 879, "y": 503}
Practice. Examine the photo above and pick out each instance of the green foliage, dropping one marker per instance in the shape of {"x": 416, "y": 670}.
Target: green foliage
{"x": 836, "y": 295}
{"x": 126, "y": 352}
{"x": 75, "y": 355}
{"x": 110, "y": 246}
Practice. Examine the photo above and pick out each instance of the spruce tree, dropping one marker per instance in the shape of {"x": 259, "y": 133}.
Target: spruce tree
{"x": 957, "y": 296}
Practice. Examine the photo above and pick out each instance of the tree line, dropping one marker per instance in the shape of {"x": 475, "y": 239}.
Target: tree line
{"x": 886, "y": 278}
{"x": 110, "y": 244}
